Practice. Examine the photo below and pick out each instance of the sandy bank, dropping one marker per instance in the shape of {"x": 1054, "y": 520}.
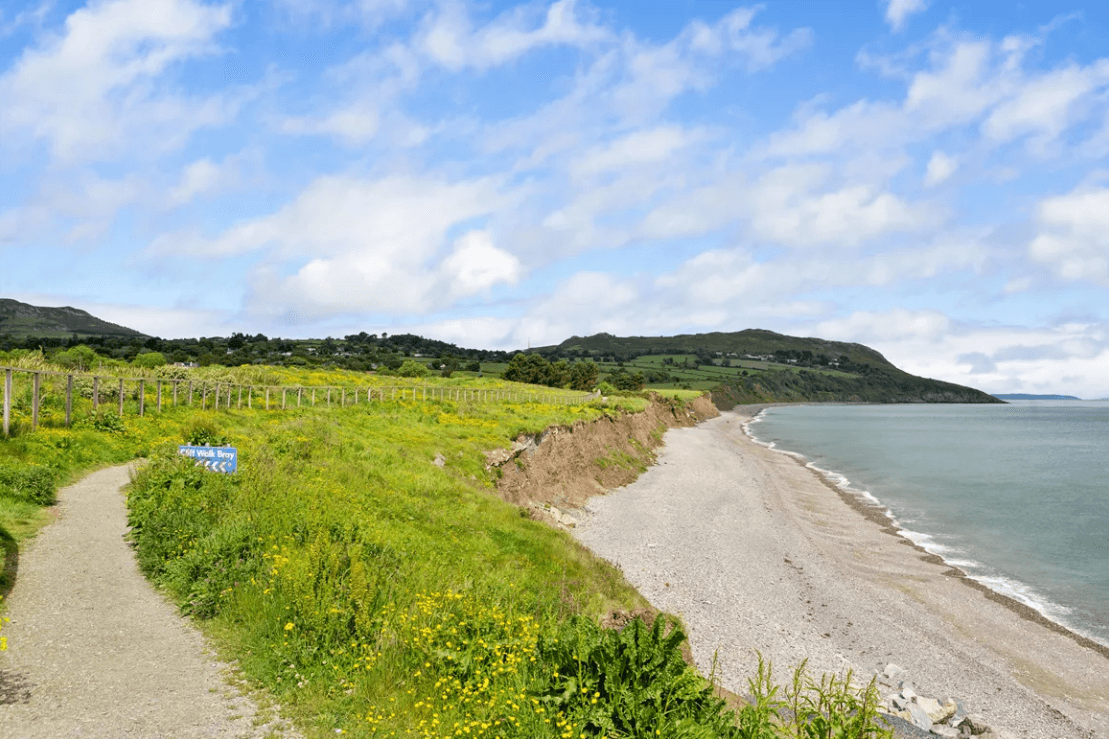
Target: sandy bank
{"x": 756, "y": 552}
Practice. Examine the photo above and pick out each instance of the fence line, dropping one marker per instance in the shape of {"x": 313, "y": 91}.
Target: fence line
{"x": 223, "y": 393}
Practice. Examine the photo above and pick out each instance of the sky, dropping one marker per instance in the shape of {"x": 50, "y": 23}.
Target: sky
{"x": 928, "y": 178}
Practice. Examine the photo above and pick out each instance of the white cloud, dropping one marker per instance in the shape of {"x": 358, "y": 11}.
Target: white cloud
{"x": 1074, "y": 235}
{"x": 91, "y": 91}
{"x": 449, "y": 38}
{"x": 28, "y": 17}
{"x": 322, "y": 14}
{"x": 786, "y": 207}
{"x": 1047, "y": 105}
{"x": 940, "y": 168}
{"x": 354, "y": 126}
{"x": 476, "y": 265}
{"x": 76, "y": 206}
{"x": 348, "y": 246}
{"x": 204, "y": 177}
{"x": 762, "y": 47}
{"x": 648, "y": 146}
{"x": 898, "y": 11}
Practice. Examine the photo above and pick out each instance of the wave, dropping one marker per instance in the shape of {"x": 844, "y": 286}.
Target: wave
{"x": 952, "y": 556}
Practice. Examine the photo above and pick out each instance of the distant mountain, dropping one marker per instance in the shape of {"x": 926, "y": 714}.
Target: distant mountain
{"x": 20, "y": 320}
{"x": 1026, "y": 396}
{"x": 759, "y": 366}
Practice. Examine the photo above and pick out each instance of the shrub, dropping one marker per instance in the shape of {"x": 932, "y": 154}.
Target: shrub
{"x": 31, "y": 484}
{"x": 412, "y": 368}
{"x": 202, "y": 431}
{"x": 150, "y": 360}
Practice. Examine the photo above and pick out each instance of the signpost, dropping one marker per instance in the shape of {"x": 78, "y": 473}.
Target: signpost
{"x": 215, "y": 458}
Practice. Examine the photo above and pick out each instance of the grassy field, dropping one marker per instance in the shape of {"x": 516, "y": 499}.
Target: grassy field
{"x": 361, "y": 568}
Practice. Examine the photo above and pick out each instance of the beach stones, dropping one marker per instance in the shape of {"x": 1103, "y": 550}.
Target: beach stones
{"x": 945, "y": 717}
{"x": 918, "y": 717}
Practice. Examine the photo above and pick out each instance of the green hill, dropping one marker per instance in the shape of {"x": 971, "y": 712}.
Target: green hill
{"x": 20, "y": 320}
{"x": 758, "y": 366}
{"x": 752, "y": 341}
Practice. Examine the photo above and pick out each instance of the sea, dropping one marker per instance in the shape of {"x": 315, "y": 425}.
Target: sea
{"x": 1016, "y": 495}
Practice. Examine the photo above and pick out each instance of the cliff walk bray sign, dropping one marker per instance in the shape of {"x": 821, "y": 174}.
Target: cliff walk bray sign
{"x": 215, "y": 458}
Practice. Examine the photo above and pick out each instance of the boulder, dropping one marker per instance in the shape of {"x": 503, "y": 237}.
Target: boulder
{"x": 892, "y": 675}
{"x": 974, "y": 723}
{"x": 946, "y": 732}
{"x": 918, "y": 718}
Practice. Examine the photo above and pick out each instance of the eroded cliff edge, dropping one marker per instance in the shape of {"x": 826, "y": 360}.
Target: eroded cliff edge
{"x": 566, "y": 465}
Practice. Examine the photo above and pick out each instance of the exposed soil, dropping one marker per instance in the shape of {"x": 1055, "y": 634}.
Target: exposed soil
{"x": 565, "y": 466}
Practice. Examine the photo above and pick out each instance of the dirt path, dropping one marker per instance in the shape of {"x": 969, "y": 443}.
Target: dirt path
{"x": 94, "y": 651}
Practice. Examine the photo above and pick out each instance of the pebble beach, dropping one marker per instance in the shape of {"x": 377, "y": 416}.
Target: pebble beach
{"x": 760, "y": 555}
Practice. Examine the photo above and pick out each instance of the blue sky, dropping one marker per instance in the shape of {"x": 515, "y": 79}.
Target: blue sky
{"x": 928, "y": 178}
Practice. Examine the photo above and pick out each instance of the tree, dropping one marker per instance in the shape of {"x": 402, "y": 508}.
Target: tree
{"x": 412, "y": 368}
{"x": 79, "y": 358}
{"x": 583, "y": 376}
{"x": 150, "y": 360}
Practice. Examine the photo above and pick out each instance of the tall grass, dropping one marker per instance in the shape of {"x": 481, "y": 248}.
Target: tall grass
{"x": 361, "y": 568}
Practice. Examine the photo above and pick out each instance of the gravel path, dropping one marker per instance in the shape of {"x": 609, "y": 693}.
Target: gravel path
{"x": 95, "y": 651}
{"x": 755, "y": 552}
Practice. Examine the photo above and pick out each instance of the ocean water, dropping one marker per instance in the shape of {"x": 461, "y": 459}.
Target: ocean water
{"x": 1017, "y": 495}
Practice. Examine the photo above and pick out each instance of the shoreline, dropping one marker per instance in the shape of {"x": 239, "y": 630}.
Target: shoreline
{"x": 755, "y": 556}
{"x": 880, "y": 514}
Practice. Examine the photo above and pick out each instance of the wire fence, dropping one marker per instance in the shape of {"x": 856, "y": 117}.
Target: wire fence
{"x": 38, "y": 391}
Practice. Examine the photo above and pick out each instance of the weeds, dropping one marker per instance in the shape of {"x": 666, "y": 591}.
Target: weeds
{"x": 373, "y": 591}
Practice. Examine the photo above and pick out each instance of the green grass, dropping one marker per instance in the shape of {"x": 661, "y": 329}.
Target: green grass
{"x": 371, "y": 590}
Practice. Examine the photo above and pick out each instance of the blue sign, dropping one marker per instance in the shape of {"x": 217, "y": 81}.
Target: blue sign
{"x": 215, "y": 458}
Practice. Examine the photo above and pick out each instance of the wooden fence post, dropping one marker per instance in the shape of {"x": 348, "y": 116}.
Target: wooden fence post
{"x": 216, "y": 399}
{"x": 7, "y": 402}
{"x": 250, "y": 398}
{"x": 329, "y": 397}
{"x": 121, "y": 397}
{"x": 35, "y": 401}
{"x": 175, "y": 384}
{"x": 300, "y": 391}
{"x": 282, "y": 397}
{"x": 142, "y": 397}
{"x": 68, "y": 400}
{"x": 190, "y": 393}
{"x": 343, "y": 400}
{"x": 267, "y": 398}
{"x": 159, "y": 396}
{"x": 203, "y": 396}
{"x": 313, "y": 397}
{"x": 95, "y": 394}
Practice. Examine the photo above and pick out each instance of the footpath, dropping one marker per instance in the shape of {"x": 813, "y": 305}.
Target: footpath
{"x": 95, "y": 651}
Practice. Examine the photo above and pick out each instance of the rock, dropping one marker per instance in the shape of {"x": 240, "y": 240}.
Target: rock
{"x": 900, "y": 703}
{"x": 440, "y": 460}
{"x": 918, "y": 718}
{"x": 908, "y": 693}
{"x": 933, "y": 708}
{"x": 907, "y": 685}
{"x": 975, "y": 723}
{"x": 567, "y": 521}
{"x": 945, "y": 731}
{"x": 949, "y": 706}
{"x": 960, "y": 712}
{"x": 892, "y": 675}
